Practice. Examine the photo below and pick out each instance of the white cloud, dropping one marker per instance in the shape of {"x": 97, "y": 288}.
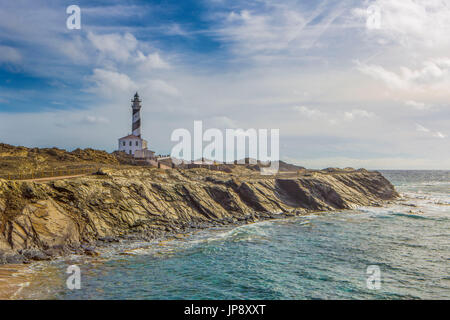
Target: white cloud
{"x": 176, "y": 30}
{"x": 440, "y": 135}
{"x": 309, "y": 112}
{"x": 272, "y": 27}
{"x": 255, "y": 32}
{"x": 358, "y": 113}
{"x": 94, "y": 119}
{"x": 410, "y": 50}
{"x": 378, "y": 72}
{"x": 116, "y": 46}
{"x": 151, "y": 61}
{"x": 421, "y": 128}
{"x": 335, "y": 117}
{"x": 414, "y": 23}
{"x": 111, "y": 83}
{"x": 9, "y": 55}
{"x": 223, "y": 122}
{"x": 160, "y": 87}
{"x": 435, "y": 134}
{"x": 417, "y": 105}
{"x": 434, "y": 75}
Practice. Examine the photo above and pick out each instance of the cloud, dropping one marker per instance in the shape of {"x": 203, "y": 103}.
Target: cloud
{"x": 160, "y": 87}
{"x": 151, "y": 61}
{"x": 378, "y": 72}
{"x": 89, "y": 119}
{"x": 275, "y": 27}
{"x": 417, "y": 105}
{"x": 116, "y": 11}
{"x": 116, "y": 46}
{"x": 358, "y": 113}
{"x": 124, "y": 49}
{"x": 421, "y": 128}
{"x": 440, "y": 135}
{"x": 9, "y": 55}
{"x": 109, "y": 83}
{"x": 242, "y": 65}
{"x": 176, "y": 30}
{"x": 410, "y": 50}
{"x": 434, "y": 75}
{"x": 435, "y": 134}
{"x": 413, "y": 23}
{"x": 47, "y": 49}
{"x": 309, "y": 112}
{"x": 336, "y": 117}
{"x": 223, "y": 122}
{"x": 255, "y": 32}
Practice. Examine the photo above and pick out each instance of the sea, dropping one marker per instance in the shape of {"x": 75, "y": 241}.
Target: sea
{"x": 398, "y": 251}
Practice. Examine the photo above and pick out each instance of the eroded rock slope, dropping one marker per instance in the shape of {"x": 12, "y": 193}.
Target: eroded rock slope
{"x": 42, "y": 220}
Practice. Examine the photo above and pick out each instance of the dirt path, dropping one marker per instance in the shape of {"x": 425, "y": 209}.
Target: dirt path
{"x": 55, "y": 178}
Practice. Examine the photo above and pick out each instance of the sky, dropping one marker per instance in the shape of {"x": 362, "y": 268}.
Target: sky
{"x": 348, "y": 83}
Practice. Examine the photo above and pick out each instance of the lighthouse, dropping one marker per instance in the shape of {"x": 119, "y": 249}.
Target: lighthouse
{"x": 136, "y": 118}
{"x": 133, "y": 144}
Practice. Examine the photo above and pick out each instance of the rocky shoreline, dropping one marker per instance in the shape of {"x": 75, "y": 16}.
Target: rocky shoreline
{"x": 41, "y": 221}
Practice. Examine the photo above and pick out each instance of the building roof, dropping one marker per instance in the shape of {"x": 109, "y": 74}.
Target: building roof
{"x": 131, "y": 136}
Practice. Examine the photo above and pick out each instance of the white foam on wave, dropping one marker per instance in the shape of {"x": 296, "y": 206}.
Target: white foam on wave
{"x": 422, "y": 198}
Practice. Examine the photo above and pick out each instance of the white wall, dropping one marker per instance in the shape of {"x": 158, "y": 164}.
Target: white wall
{"x": 127, "y": 148}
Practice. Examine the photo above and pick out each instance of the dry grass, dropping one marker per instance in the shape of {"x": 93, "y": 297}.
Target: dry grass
{"x": 31, "y": 163}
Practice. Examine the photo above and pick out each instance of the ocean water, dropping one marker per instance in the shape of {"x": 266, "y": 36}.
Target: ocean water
{"x": 319, "y": 256}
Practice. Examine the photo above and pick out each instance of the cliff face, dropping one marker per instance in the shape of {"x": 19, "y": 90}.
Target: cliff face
{"x": 41, "y": 220}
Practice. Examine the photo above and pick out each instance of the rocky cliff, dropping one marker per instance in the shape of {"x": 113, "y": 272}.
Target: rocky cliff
{"x": 42, "y": 220}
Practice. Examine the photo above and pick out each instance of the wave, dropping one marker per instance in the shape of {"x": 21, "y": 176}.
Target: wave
{"x": 191, "y": 243}
{"x": 412, "y": 216}
{"x": 250, "y": 232}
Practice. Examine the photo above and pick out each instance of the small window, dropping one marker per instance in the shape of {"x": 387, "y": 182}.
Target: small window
{"x": 123, "y": 143}
{"x": 137, "y": 143}
{"x": 130, "y": 151}
{"x": 130, "y": 144}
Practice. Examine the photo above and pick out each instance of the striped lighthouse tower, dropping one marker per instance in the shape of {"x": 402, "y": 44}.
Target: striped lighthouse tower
{"x": 133, "y": 144}
{"x": 136, "y": 119}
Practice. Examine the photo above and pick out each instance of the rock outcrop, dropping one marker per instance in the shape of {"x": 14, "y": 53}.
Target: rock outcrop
{"x": 15, "y": 159}
{"x": 42, "y": 220}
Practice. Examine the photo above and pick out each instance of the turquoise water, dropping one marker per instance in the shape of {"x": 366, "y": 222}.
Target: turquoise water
{"x": 320, "y": 256}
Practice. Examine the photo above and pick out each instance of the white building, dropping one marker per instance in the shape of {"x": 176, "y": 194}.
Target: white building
{"x": 133, "y": 144}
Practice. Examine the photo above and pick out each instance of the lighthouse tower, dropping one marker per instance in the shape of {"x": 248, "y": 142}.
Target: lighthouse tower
{"x": 133, "y": 144}
{"x": 136, "y": 118}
